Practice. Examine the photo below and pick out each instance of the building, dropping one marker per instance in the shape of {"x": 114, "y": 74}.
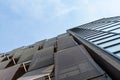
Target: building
{"x": 87, "y": 52}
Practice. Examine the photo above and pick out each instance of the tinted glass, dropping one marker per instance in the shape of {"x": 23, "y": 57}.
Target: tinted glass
{"x": 106, "y": 39}
{"x": 116, "y": 31}
{"x": 118, "y": 54}
{"x": 111, "y": 28}
{"x": 110, "y": 43}
{"x": 113, "y": 48}
{"x": 101, "y": 37}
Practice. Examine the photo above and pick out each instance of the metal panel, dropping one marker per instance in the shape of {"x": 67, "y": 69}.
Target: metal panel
{"x": 65, "y": 42}
{"x": 8, "y": 73}
{"x": 1, "y": 55}
{"x": 73, "y": 64}
{"x": 39, "y": 73}
{"x": 42, "y": 78}
{"x": 2, "y": 58}
{"x": 27, "y": 52}
{"x": 18, "y": 53}
{"x": 50, "y": 42}
{"x": 42, "y": 58}
{"x": 101, "y": 77}
{"x": 39, "y": 44}
{"x": 27, "y": 55}
{"x": 63, "y": 35}
{"x": 4, "y": 64}
{"x": 15, "y": 51}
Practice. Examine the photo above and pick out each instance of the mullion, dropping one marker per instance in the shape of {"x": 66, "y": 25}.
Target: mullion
{"x": 86, "y": 31}
{"x": 110, "y": 26}
{"x": 83, "y": 32}
{"x": 116, "y": 52}
{"x": 108, "y": 41}
{"x": 104, "y": 26}
{"x": 98, "y": 36}
{"x": 111, "y": 45}
{"x": 94, "y": 26}
{"x": 103, "y": 38}
{"x": 93, "y": 35}
{"x": 115, "y": 29}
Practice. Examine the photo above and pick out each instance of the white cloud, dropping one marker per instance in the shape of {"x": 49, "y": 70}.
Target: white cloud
{"x": 101, "y": 8}
{"x": 61, "y": 8}
{"x": 27, "y": 8}
{"x": 50, "y": 9}
{"x": 38, "y": 9}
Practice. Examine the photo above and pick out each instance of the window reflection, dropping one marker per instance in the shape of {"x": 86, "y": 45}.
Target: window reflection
{"x": 110, "y": 43}
{"x": 113, "y": 48}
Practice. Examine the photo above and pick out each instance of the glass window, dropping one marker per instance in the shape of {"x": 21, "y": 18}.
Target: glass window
{"x": 118, "y": 54}
{"x": 110, "y": 43}
{"x": 103, "y": 26}
{"x": 99, "y": 25}
{"x": 112, "y": 27}
{"x": 96, "y": 36}
{"x": 107, "y": 39}
{"x": 92, "y": 35}
{"x": 107, "y": 26}
{"x": 116, "y": 31}
{"x": 101, "y": 37}
{"x": 113, "y": 48}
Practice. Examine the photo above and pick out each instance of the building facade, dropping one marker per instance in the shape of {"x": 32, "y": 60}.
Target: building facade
{"x": 86, "y": 52}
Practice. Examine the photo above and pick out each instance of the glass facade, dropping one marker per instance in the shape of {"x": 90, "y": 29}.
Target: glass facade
{"x": 102, "y": 33}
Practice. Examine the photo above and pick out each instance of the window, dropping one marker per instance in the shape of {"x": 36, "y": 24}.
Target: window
{"x": 92, "y": 35}
{"x": 97, "y": 36}
{"x": 102, "y": 37}
{"x": 116, "y": 31}
{"x": 118, "y": 54}
{"x": 106, "y": 27}
{"x": 112, "y": 27}
{"x": 106, "y": 39}
{"x": 113, "y": 48}
{"x": 110, "y": 43}
{"x": 103, "y": 26}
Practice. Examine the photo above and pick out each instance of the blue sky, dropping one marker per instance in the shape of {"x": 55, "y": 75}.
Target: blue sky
{"x": 23, "y": 22}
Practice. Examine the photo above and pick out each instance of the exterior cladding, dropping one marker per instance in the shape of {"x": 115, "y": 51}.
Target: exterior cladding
{"x": 68, "y": 56}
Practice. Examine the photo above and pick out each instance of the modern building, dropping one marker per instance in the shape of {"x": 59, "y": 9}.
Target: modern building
{"x": 87, "y": 52}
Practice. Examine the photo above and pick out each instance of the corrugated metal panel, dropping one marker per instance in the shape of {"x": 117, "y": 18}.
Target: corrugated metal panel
{"x": 42, "y": 58}
{"x": 65, "y": 42}
{"x": 102, "y": 77}
{"x": 63, "y": 35}
{"x": 39, "y": 44}
{"x": 27, "y": 55}
{"x": 15, "y": 51}
{"x": 73, "y": 64}
{"x": 2, "y": 58}
{"x": 42, "y": 78}
{"x": 8, "y": 73}
{"x": 50, "y": 42}
{"x": 4, "y": 64}
{"x": 1, "y": 55}
{"x": 18, "y": 54}
{"x": 39, "y": 73}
